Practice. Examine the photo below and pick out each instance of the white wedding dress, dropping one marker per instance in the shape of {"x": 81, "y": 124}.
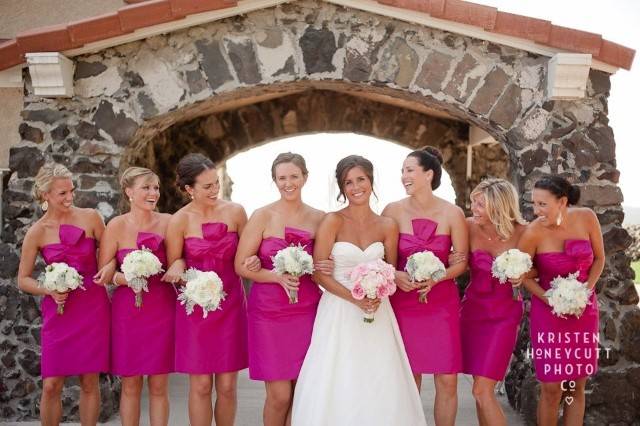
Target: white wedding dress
{"x": 355, "y": 373}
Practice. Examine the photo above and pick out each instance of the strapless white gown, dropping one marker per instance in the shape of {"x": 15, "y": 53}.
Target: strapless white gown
{"x": 355, "y": 373}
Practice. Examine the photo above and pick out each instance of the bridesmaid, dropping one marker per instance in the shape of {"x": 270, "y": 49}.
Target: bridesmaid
{"x": 562, "y": 240}
{"x": 428, "y": 222}
{"x": 280, "y": 332}
{"x": 489, "y": 315}
{"x": 75, "y": 343}
{"x": 153, "y": 322}
{"x": 204, "y": 235}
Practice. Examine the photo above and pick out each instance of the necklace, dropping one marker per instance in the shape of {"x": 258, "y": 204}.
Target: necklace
{"x": 486, "y": 235}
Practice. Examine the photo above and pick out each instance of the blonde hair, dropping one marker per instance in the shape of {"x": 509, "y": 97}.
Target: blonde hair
{"x": 501, "y": 205}
{"x": 129, "y": 176}
{"x": 45, "y": 177}
{"x": 128, "y": 179}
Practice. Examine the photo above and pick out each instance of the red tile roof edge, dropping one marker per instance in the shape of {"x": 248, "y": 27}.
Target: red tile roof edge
{"x": 524, "y": 27}
{"x": 140, "y": 14}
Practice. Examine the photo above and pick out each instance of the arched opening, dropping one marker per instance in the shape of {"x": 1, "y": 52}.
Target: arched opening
{"x": 252, "y": 186}
{"x": 245, "y": 123}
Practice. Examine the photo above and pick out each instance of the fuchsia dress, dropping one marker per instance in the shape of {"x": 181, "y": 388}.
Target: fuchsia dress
{"x": 279, "y": 332}
{"x": 217, "y": 343}
{"x": 142, "y": 339}
{"x": 430, "y": 331}
{"x": 489, "y": 320}
{"x": 564, "y": 349}
{"x": 76, "y": 342}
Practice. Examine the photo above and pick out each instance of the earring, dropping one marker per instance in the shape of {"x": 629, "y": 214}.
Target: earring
{"x": 191, "y": 196}
{"x": 45, "y": 206}
{"x": 559, "y": 219}
{"x": 130, "y": 199}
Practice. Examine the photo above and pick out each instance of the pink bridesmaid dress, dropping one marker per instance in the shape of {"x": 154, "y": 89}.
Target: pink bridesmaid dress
{"x": 430, "y": 331}
{"x": 280, "y": 332}
{"x": 76, "y": 342}
{"x": 489, "y": 321}
{"x": 217, "y": 343}
{"x": 142, "y": 339}
{"x": 564, "y": 348}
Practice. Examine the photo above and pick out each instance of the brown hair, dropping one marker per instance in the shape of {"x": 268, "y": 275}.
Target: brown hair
{"x": 559, "y": 187}
{"x": 190, "y": 167}
{"x": 348, "y": 163}
{"x": 289, "y": 157}
{"x": 46, "y": 175}
{"x": 430, "y": 158}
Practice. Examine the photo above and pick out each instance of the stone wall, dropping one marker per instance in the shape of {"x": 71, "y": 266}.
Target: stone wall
{"x": 224, "y": 134}
{"x": 634, "y": 250}
{"x": 9, "y": 120}
{"x": 241, "y": 81}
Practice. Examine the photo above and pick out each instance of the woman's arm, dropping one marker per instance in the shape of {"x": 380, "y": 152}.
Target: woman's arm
{"x": 460, "y": 243}
{"x": 597, "y": 245}
{"x": 28, "y": 256}
{"x": 325, "y": 238}
{"x": 240, "y": 218}
{"x": 391, "y": 242}
{"x": 528, "y": 243}
{"x": 107, "y": 253}
{"x": 174, "y": 243}
{"x": 248, "y": 246}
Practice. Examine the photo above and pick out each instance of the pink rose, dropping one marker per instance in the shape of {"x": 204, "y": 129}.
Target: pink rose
{"x": 357, "y": 292}
{"x": 391, "y": 288}
{"x": 382, "y": 291}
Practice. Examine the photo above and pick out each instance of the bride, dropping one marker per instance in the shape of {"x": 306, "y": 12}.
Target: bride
{"x": 355, "y": 372}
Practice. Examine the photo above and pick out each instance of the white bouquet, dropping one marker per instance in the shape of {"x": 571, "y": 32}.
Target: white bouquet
{"x": 510, "y": 265}
{"x": 61, "y": 278}
{"x": 202, "y": 288}
{"x": 568, "y": 296}
{"x": 293, "y": 260}
{"x": 138, "y": 266}
{"x": 423, "y": 266}
{"x": 373, "y": 280}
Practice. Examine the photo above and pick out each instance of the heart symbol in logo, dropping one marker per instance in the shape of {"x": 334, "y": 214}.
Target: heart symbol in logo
{"x": 569, "y": 400}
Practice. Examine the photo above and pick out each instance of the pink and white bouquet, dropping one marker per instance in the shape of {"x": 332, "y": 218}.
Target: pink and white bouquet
{"x": 568, "y": 296}
{"x": 137, "y": 267}
{"x": 293, "y": 260}
{"x": 374, "y": 280}
{"x": 202, "y": 288}
{"x": 423, "y": 266}
{"x": 510, "y": 265}
{"x": 61, "y": 278}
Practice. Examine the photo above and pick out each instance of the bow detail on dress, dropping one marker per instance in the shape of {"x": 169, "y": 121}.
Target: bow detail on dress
{"x": 423, "y": 231}
{"x": 582, "y": 253}
{"x": 149, "y": 241}
{"x": 214, "y": 246}
{"x": 294, "y": 236}
{"x": 153, "y": 242}
{"x": 70, "y": 235}
{"x": 480, "y": 262}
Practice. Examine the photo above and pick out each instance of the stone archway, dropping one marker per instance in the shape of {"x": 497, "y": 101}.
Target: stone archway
{"x": 223, "y": 134}
{"x": 216, "y": 81}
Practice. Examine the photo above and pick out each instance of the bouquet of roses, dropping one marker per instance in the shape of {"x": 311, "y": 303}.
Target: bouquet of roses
{"x": 138, "y": 266}
{"x": 61, "y": 278}
{"x": 293, "y": 260}
{"x": 202, "y": 288}
{"x": 423, "y": 266}
{"x": 568, "y": 296}
{"x": 510, "y": 265}
{"x": 374, "y": 280}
